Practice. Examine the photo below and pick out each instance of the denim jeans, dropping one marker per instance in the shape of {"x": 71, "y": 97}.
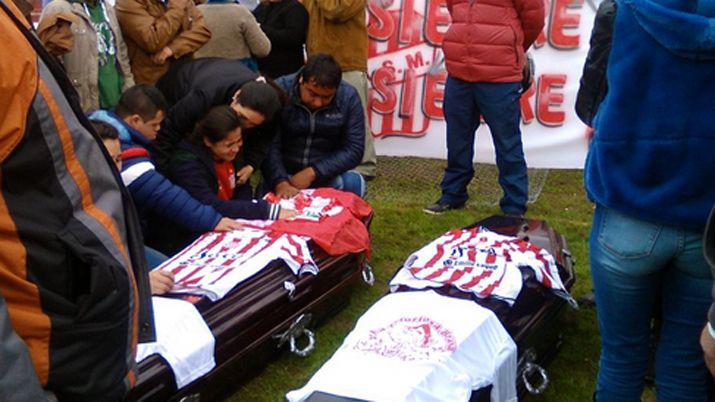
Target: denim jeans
{"x": 351, "y": 181}
{"x": 635, "y": 265}
{"x": 153, "y": 257}
{"x": 464, "y": 104}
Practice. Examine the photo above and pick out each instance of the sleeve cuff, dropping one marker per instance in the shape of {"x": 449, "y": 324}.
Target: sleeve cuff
{"x": 274, "y": 211}
{"x": 711, "y": 330}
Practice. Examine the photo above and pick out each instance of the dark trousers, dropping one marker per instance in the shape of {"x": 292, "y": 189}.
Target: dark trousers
{"x": 464, "y": 104}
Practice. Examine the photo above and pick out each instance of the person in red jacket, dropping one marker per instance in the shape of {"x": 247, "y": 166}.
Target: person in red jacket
{"x": 484, "y": 52}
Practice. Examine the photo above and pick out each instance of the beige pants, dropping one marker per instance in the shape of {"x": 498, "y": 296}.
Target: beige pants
{"x": 368, "y": 166}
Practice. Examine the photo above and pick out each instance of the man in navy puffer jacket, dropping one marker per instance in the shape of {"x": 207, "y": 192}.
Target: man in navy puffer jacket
{"x": 322, "y": 132}
{"x": 650, "y": 171}
{"x": 137, "y": 119}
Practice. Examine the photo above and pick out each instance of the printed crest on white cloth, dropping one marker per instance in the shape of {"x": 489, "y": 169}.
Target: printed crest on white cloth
{"x": 409, "y": 338}
{"x": 218, "y": 261}
{"x": 481, "y": 262}
{"x": 308, "y": 206}
{"x": 420, "y": 346}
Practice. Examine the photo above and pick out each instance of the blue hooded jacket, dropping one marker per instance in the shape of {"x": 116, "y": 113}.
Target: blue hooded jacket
{"x": 154, "y": 194}
{"x": 653, "y": 153}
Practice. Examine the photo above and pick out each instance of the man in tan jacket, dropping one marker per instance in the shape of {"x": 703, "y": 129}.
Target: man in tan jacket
{"x": 85, "y": 36}
{"x": 159, "y": 33}
{"x": 338, "y": 28}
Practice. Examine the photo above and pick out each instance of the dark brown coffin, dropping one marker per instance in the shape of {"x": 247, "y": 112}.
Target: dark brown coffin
{"x": 246, "y": 322}
{"x": 533, "y": 320}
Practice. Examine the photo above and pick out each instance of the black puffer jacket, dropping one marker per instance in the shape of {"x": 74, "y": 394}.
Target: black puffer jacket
{"x": 286, "y": 25}
{"x": 593, "y": 85}
{"x": 192, "y": 91}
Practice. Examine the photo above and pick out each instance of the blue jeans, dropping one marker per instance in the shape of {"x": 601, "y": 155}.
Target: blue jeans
{"x": 464, "y": 104}
{"x": 351, "y": 181}
{"x": 153, "y": 257}
{"x": 635, "y": 265}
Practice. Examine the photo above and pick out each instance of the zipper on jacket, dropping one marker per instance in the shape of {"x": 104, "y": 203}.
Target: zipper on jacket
{"x": 311, "y": 132}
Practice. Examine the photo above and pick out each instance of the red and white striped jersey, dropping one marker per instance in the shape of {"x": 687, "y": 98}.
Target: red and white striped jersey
{"x": 218, "y": 261}
{"x": 309, "y": 206}
{"x": 333, "y": 219}
{"x": 481, "y": 262}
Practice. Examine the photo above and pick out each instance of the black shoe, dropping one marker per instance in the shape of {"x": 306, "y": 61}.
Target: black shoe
{"x": 438, "y": 208}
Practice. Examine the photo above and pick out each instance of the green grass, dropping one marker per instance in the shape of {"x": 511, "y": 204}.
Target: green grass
{"x": 399, "y": 228}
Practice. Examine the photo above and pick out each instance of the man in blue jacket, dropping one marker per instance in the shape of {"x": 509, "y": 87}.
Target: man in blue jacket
{"x": 650, "y": 172}
{"x": 137, "y": 118}
{"x": 321, "y": 135}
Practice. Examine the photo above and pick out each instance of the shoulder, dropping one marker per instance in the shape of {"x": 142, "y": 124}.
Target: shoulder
{"x": 286, "y": 81}
{"x": 57, "y": 6}
{"x": 347, "y": 93}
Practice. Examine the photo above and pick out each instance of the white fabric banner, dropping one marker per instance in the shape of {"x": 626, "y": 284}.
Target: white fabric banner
{"x": 407, "y": 75}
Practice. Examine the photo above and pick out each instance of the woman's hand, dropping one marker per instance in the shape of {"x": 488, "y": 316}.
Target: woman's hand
{"x": 226, "y": 224}
{"x": 160, "y": 281}
{"x": 287, "y": 213}
{"x": 244, "y": 175}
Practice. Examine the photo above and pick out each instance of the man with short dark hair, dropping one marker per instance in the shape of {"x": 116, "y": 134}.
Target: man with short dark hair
{"x": 137, "y": 118}
{"x": 321, "y": 136}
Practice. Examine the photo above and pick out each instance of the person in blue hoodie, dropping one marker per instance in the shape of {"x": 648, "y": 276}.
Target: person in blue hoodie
{"x": 650, "y": 170}
{"x": 137, "y": 117}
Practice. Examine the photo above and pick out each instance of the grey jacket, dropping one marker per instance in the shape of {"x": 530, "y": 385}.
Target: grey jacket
{"x": 82, "y": 62}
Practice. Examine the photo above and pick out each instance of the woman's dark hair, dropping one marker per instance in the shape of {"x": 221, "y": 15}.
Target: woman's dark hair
{"x": 105, "y": 130}
{"x": 322, "y": 70}
{"x": 216, "y": 125}
{"x": 265, "y": 98}
{"x": 142, "y": 99}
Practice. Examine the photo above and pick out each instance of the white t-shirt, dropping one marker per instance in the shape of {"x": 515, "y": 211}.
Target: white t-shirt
{"x": 182, "y": 338}
{"x": 420, "y": 346}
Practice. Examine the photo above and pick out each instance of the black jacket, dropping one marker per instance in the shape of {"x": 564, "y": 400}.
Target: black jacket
{"x": 593, "y": 85}
{"x": 193, "y": 168}
{"x": 286, "y": 25}
{"x": 192, "y": 90}
{"x": 331, "y": 140}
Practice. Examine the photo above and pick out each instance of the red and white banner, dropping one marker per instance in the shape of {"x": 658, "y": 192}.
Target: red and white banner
{"x": 407, "y": 76}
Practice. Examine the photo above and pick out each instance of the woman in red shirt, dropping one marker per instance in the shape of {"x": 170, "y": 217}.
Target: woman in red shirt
{"x": 206, "y": 165}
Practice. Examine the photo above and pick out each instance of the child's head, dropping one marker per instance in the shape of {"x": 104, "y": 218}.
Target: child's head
{"x": 220, "y": 132}
{"x": 110, "y": 138}
{"x": 142, "y": 107}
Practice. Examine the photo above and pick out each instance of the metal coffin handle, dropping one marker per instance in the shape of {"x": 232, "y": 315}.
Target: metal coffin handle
{"x": 297, "y": 330}
{"x": 368, "y": 275}
{"x": 531, "y": 369}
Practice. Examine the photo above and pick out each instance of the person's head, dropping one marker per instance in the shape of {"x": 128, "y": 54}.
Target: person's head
{"x": 220, "y": 132}
{"x": 319, "y": 81}
{"x": 110, "y": 138}
{"x": 142, "y": 107}
{"x": 256, "y": 102}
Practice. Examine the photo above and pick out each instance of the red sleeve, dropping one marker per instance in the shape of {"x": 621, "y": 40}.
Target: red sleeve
{"x": 532, "y": 16}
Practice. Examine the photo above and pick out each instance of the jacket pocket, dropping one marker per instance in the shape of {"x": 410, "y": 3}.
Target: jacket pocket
{"x": 95, "y": 280}
{"x": 517, "y": 44}
{"x": 626, "y": 237}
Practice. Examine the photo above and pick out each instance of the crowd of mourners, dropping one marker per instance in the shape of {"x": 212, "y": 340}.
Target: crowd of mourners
{"x": 191, "y": 100}
{"x": 205, "y": 108}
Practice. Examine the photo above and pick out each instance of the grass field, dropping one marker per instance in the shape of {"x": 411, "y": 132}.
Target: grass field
{"x": 400, "y": 227}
